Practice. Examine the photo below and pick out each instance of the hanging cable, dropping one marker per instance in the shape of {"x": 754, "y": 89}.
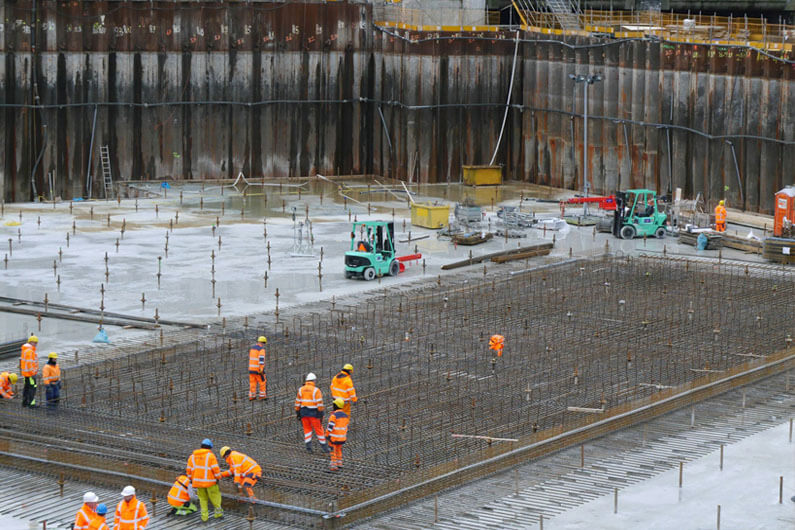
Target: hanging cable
{"x": 507, "y": 102}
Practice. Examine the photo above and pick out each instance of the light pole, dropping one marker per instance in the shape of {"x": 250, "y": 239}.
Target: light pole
{"x": 586, "y": 80}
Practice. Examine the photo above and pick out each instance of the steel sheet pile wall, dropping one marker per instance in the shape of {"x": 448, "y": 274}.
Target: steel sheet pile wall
{"x": 202, "y": 90}
{"x": 423, "y": 372}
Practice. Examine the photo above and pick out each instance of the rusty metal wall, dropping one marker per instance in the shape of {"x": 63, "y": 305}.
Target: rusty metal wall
{"x": 206, "y": 90}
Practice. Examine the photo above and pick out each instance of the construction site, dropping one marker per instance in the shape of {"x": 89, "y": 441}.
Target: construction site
{"x": 399, "y": 252}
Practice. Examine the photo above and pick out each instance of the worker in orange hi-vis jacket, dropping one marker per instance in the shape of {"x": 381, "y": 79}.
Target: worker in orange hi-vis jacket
{"x": 6, "y": 380}
{"x": 179, "y": 497}
{"x": 87, "y": 512}
{"x": 204, "y": 474}
{"x": 309, "y": 409}
{"x": 243, "y": 468}
{"x": 497, "y": 343}
{"x": 256, "y": 370}
{"x": 29, "y": 367}
{"x": 131, "y": 513}
{"x": 720, "y": 217}
{"x": 337, "y": 433}
{"x": 342, "y": 387}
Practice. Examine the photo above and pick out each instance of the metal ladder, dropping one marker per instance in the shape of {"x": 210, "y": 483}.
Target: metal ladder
{"x": 107, "y": 175}
{"x": 565, "y": 12}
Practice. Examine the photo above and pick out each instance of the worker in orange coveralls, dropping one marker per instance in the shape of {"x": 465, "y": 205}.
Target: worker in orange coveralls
{"x": 256, "y": 371}
{"x": 342, "y": 387}
{"x": 497, "y": 343}
{"x": 309, "y": 409}
{"x": 337, "y": 433}
{"x": 243, "y": 468}
{"x": 720, "y": 217}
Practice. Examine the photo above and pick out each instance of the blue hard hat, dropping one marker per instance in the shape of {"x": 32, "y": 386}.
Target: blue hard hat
{"x": 102, "y": 509}
{"x": 207, "y": 442}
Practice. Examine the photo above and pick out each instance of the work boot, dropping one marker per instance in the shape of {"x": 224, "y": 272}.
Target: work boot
{"x": 218, "y": 513}
{"x": 326, "y": 448}
{"x": 190, "y": 509}
{"x": 308, "y": 447}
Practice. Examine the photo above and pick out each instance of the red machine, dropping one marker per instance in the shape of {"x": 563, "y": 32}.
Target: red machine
{"x": 784, "y": 216}
{"x": 605, "y": 203}
{"x": 403, "y": 259}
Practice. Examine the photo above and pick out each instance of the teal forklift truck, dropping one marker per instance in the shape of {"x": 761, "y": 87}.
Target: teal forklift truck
{"x": 638, "y": 215}
{"x": 372, "y": 252}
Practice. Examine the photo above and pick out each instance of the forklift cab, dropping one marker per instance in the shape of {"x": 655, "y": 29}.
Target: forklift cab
{"x": 372, "y": 251}
{"x": 638, "y": 214}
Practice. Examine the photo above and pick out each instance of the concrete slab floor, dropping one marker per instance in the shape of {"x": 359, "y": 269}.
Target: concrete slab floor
{"x": 206, "y": 228}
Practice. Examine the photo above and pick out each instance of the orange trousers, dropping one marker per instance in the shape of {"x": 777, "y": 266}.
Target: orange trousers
{"x": 248, "y": 482}
{"x": 720, "y": 227}
{"x": 255, "y": 380}
{"x": 336, "y": 456}
{"x": 313, "y": 424}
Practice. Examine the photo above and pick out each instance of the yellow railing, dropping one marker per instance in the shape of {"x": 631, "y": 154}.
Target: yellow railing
{"x": 695, "y": 28}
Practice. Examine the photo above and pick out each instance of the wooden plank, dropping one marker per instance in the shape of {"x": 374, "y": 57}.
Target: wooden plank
{"x": 523, "y": 255}
{"x": 479, "y": 259}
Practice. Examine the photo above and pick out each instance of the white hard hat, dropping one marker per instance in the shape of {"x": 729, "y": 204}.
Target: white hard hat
{"x": 90, "y": 496}
{"x": 128, "y": 490}
{"x": 311, "y": 377}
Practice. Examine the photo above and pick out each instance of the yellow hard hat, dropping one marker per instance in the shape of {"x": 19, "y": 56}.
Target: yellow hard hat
{"x": 262, "y": 338}
{"x": 52, "y": 355}
{"x": 348, "y": 367}
{"x": 33, "y": 338}
{"x": 13, "y": 378}
{"x": 225, "y": 449}
{"x": 721, "y": 202}
{"x": 339, "y": 402}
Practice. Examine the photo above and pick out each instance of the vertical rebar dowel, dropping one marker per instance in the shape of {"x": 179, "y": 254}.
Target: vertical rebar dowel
{"x": 781, "y": 490}
{"x": 681, "y": 467}
{"x": 721, "y": 457}
{"x": 718, "y": 521}
{"x": 436, "y": 509}
{"x": 541, "y": 521}
{"x": 615, "y": 500}
{"x": 582, "y": 456}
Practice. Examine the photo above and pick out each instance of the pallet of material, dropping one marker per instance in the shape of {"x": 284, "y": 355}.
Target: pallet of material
{"x": 714, "y": 240}
{"x": 742, "y": 243}
{"x": 779, "y": 249}
{"x": 472, "y": 238}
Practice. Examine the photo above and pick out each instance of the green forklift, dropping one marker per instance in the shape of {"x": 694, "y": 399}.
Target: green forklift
{"x": 637, "y": 215}
{"x": 372, "y": 252}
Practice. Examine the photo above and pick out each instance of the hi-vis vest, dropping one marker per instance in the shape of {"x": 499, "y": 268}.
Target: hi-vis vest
{"x": 203, "y": 468}
{"x": 256, "y": 359}
{"x": 337, "y": 429}
{"x": 29, "y": 362}
{"x": 309, "y": 401}
{"x": 342, "y": 387}
{"x": 241, "y": 466}
{"x": 131, "y": 515}
{"x": 178, "y": 494}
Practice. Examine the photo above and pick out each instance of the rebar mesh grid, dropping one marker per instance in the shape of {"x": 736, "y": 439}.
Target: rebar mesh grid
{"x": 601, "y": 333}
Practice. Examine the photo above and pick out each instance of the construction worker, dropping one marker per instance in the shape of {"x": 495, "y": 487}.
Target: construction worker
{"x": 87, "y": 512}
{"x": 342, "y": 387}
{"x": 179, "y": 497}
{"x": 720, "y": 217}
{"x": 51, "y": 377}
{"x": 309, "y": 409}
{"x": 6, "y": 380}
{"x": 99, "y": 523}
{"x": 130, "y": 513}
{"x": 256, "y": 370}
{"x": 29, "y": 367}
{"x": 204, "y": 474}
{"x": 337, "y": 432}
{"x": 243, "y": 468}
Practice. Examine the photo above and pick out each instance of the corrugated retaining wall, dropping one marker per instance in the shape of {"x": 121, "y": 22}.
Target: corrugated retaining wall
{"x": 205, "y": 90}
